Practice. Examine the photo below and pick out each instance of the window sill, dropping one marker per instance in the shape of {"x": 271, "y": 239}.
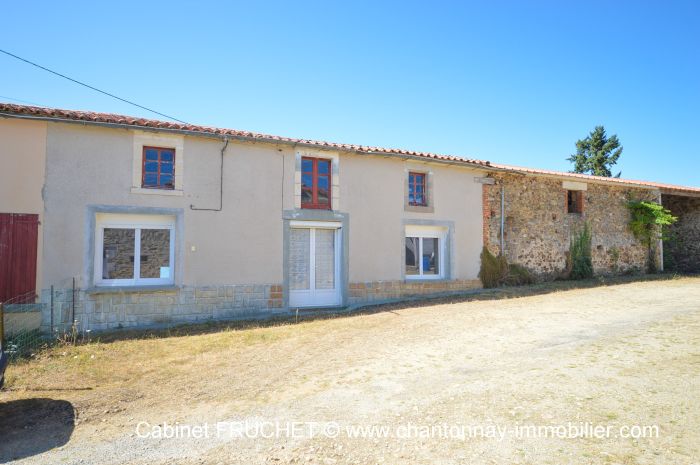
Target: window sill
{"x": 309, "y": 207}
{"x": 419, "y": 208}
{"x": 144, "y": 190}
{"x": 131, "y": 289}
{"x": 425, "y": 279}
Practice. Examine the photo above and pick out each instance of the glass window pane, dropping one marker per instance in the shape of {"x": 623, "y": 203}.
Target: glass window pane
{"x": 118, "y": 253}
{"x": 322, "y": 189}
{"x": 306, "y": 188}
{"x": 325, "y": 258}
{"x": 307, "y": 165}
{"x": 152, "y": 154}
{"x": 299, "y": 258}
{"x": 431, "y": 259}
{"x": 166, "y": 180}
{"x": 324, "y": 166}
{"x": 166, "y": 168}
{"x": 150, "y": 179}
{"x": 155, "y": 253}
{"x": 412, "y": 252}
{"x": 167, "y": 155}
{"x": 151, "y": 167}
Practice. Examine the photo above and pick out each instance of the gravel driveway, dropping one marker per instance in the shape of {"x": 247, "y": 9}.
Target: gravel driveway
{"x": 444, "y": 383}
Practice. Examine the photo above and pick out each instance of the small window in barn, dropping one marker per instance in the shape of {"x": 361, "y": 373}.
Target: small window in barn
{"x": 158, "y": 168}
{"x": 316, "y": 183}
{"x": 574, "y": 201}
{"x": 134, "y": 250}
{"x": 417, "y": 193}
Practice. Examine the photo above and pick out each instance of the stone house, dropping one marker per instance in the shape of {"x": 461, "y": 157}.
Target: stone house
{"x": 542, "y": 210}
{"x": 160, "y": 222}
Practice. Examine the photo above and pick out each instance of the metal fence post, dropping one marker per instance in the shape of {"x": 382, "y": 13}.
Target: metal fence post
{"x": 52, "y": 310}
{"x": 72, "y": 317}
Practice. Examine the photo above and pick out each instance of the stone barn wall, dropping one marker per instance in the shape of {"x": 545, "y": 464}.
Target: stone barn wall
{"x": 682, "y": 250}
{"x": 538, "y": 228}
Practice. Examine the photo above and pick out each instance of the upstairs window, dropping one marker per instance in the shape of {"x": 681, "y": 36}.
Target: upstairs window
{"x": 574, "y": 201}
{"x": 158, "y": 168}
{"x": 315, "y": 183}
{"x": 417, "y": 195}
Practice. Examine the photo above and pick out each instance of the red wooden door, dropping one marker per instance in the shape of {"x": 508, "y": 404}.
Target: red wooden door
{"x": 18, "y": 243}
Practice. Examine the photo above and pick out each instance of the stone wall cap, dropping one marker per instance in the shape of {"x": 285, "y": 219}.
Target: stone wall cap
{"x": 131, "y": 289}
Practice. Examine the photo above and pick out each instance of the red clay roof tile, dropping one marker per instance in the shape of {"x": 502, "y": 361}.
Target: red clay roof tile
{"x": 9, "y": 109}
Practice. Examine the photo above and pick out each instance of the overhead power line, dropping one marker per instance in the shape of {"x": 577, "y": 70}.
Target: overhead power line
{"x": 21, "y": 101}
{"x": 91, "y": 87}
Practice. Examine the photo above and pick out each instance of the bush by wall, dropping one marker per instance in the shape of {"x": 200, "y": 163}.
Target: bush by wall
{"x": 579, "y": 262}
{"x": 496, "y": 271}
{"x": 647, "y": 224}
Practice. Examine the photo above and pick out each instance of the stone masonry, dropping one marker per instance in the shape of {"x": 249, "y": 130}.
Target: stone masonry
{"x": 381, "y": 291}
{"x": 682, "y": 250}
{"x": 538, "y": 228}
{"x": 110, "y": 309}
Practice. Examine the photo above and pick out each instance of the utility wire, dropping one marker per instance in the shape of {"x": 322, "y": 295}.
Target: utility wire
{"x": 21, "y": 101}
{"x": 90, "y": 87}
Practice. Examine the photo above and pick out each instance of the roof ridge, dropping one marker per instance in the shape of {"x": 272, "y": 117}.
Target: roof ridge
{"x": 115, "y": 118}
{"x": 591, "y": 177}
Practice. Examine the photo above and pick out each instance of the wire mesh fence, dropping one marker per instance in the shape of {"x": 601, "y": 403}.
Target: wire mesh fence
{"x": 29, "y": 322}
{"x": 21, "y": 325}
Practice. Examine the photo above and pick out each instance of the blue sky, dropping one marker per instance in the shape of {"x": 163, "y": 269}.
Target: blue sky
{"x": 511, "y": 82}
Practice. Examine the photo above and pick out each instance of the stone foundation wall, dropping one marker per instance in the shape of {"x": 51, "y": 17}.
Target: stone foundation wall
{"x": 682, "y": 250}
{"x": 538, "y": 228}
{"x": 379, "y": 291}
{"x": 109, "y": 309}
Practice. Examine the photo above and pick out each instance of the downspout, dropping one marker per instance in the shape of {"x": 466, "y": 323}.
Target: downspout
{"x": 503, "y": 220}
{"x": 221, "y": 184}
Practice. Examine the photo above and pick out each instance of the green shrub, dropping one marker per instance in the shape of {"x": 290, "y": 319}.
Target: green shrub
{"x": 579, "y": 262}
{"x": 496, "y": 271}
{"x": 648, "y": 224}
{"x": 518, "y": 275}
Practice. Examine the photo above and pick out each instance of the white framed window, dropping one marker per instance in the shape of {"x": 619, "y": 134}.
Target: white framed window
{"x": 425, "y": 252}
{"x": 134, "y": 250}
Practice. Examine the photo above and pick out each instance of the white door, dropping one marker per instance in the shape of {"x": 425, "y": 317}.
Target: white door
{"x": 314, "y": 266}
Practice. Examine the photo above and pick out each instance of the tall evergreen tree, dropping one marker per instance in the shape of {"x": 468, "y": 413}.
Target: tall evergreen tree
{"x": 596, "y": 154}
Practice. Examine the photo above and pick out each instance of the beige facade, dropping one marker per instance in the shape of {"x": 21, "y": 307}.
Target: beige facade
{"x": 236, "y": 199}
{"x": 242, "y": 243}
{"x": 233, "y": 258}
{"x": 22, "y": 164}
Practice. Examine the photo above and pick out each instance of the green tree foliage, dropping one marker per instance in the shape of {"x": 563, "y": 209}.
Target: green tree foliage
{"x": 596, "y": 154}
{"x": 647, "y": 224}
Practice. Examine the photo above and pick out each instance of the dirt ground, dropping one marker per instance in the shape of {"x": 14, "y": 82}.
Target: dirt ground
{"x": 446, "y": 382}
